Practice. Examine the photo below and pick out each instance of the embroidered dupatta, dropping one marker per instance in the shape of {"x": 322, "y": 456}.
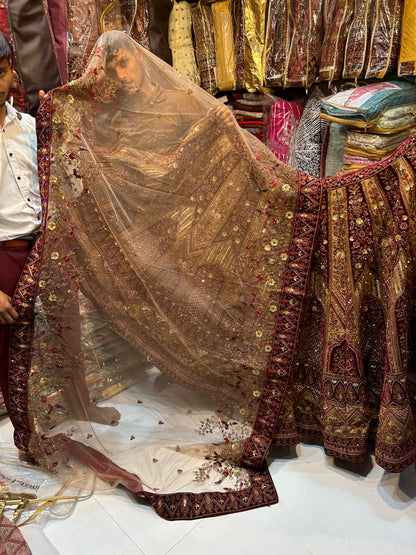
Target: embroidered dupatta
{"x": 179, "y": 264}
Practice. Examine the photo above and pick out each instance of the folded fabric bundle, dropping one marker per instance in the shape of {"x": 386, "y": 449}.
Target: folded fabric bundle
{"x": 395, "y": 119}
{"x": 246, "y": 113}
{"x": 354, "y": 160}
{"x": 376, "y": 143}
{"x": 248, "y": 106}
{"x": 361, "y": 106}
{"x": 371, "y": 155}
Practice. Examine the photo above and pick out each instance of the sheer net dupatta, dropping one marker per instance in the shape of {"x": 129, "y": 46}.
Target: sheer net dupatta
{"x": 174, "y": 262}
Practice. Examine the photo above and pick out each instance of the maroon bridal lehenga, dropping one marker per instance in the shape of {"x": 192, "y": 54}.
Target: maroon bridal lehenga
{"x": 192, "y": 301}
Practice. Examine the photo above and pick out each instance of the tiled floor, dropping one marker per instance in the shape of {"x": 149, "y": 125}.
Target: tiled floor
{"x": 324, "y": 509}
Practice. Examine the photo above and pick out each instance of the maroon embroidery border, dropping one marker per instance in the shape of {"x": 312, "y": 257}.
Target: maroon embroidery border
{"x": 295, "y": 281}
{"x": 25, "y": 296}
{"x": 182, "y": 505}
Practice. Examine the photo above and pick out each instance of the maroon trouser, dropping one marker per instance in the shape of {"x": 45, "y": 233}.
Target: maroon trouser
{"x": 12, "y": 261}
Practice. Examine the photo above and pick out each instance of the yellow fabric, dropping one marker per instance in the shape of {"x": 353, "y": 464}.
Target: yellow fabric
{"x": 408, "y": 44}
{"x": 180, "y": 41}
{"x": 254, "y": 38}
{"x": 224, "y": 45}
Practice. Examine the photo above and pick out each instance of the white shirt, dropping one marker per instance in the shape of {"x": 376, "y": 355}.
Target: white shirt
{"x": 20, "y": 206}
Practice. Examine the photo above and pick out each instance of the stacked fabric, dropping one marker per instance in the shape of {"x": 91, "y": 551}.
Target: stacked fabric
{"x": 375, "y": 119}
{"x": 250, "y": 110}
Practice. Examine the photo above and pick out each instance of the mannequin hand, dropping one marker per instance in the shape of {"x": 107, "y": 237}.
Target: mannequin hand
{"x": 7, "y": 313}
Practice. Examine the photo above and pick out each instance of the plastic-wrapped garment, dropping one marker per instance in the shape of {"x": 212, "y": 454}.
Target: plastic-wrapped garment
{"x": 224, "y": 44}
{"x": 356, "y": 43}
{"x": 338, "y": 19}
{"x": 180, "y": 41}
{"x": 307, "y": 144}
{"x": 395, "y": 119}
{"x": 205, "y": 45}
{"x": 83, "y": 31}
{"x": 363, "y": 105}
{"x": 111, "y": 17}
{"x": 254, "y": 31}
{"x": 16, "y": 90}
{"x": 375, "y": 144}
{"x": 238, "y": 21}
{"x": 407, "y": 59}
{"x": 279, "y": 32}
{"x": 305, "y": 44}
{"x": 283, "y": 121}
{"x": 385, "y": 38}
{"x": 131, "y": 16}
{"x": 335, "y": 148}
{"x": 136, "y": 15}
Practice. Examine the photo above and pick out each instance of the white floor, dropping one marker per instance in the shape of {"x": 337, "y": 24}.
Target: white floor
{"x": 324, "y": 509}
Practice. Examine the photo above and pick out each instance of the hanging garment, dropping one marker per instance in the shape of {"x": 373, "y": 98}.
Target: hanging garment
{"x": 224, "y": 44}
{"x": 203, "y": 26}
{"x": 278, "y": 37}
{"x": 83, "y": 32}
{"x": 181, "y": 43}
{"x": 385, "y": 39}
{"x": 357, "y": 39}
{"x": 407, "y": 57}
{"x": 339, "y": 16}
{"x": 305, "y": 45}
{"x": 193, "y": 300}
{"x": 255, "y": 34}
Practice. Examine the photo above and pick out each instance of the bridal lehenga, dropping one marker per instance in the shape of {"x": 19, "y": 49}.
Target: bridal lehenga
{"x": 193, "y": 301}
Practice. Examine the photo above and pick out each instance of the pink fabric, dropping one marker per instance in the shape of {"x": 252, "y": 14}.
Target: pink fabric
{"x": 284, "y": 120}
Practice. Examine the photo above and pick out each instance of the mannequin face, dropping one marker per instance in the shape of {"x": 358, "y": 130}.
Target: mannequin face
{"x": 125, "y": 67}
{"x": 6, "y": 75}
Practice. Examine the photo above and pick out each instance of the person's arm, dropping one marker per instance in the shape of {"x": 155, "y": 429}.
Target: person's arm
{"x": 7, "y": 313}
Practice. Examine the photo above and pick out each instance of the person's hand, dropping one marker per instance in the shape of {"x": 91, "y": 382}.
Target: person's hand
{"x": 224, "y": 114}
{"x": 41, "y": 95}
{"x": 7, "y": 313}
